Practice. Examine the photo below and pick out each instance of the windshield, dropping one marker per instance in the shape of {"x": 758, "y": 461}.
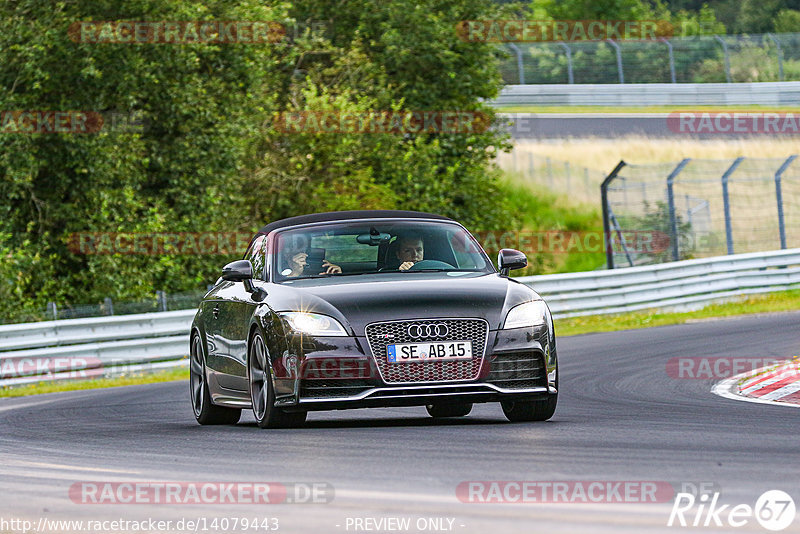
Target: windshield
{"x": 369, "y": 247}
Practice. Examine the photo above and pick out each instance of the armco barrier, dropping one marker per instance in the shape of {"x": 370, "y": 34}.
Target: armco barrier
{"x": 666, "y": 285}
{"x": 154, "y": 338}
{"x": 651, "y": 94}
{"x": 52, "y": 348}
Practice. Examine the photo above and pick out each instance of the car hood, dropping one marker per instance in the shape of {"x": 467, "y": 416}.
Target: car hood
{"x": 408, "y": 296}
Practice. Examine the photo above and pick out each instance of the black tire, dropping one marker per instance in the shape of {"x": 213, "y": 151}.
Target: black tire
{"x": 449, "y": 410}
{"x": 542, "y": 410}
{"x": 262, "y": 394}
{"x": 517, "y": 412}
{"x": 204, "y": 410}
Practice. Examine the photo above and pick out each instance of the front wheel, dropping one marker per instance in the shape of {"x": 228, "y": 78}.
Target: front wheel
{"x": 262, "y": 395}
{"x": 519, "y": 411}
{"x": 205, "y": 412}
{"x": 449, "y": 410}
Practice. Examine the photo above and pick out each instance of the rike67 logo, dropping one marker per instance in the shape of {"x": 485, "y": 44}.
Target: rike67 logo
{"x": 773, "y": 510}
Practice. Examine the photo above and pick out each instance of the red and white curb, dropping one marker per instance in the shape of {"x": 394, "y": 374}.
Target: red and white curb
{"x": 776, "y": 384}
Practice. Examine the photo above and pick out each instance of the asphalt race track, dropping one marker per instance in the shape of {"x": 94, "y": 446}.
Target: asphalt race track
{"x": 620, "y": 418}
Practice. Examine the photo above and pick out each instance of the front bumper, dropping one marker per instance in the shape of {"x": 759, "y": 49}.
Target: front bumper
{"x": 515, "y": 366}
{"x": 421, "y": 395}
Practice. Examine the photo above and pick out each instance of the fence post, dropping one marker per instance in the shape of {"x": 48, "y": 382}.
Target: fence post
{"x": 566, "y": 170}
{"x": 606, "y": 221}
{"x": 671, "y": 60}
{"x": 570, "y": 76}
{"x": 518, "y": 52}
{"x": 673, "y": 219}
{"x": 727, "y": 57}
{"x": 619, "y": 60}
{"x": 52, "y": 309}
{"x": 780, "y": 55}
{"x": 109, "y": 306}
{"x": 549, "y": 172}
{"x": 161, "y": 298}
{"x": 779, "y": 198}
{"x": 727, "y": 204}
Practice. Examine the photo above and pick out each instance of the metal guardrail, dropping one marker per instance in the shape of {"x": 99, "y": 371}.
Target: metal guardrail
{"x": 651, "y": 94}
{"x": 78, "y": 348}
{"x": 680, "y": 284}
{"x": 769, "y": 57}
{"x": 96, "y": 346}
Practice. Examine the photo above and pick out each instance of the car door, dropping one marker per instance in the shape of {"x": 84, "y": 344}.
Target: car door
{"x": 231, "y": 314}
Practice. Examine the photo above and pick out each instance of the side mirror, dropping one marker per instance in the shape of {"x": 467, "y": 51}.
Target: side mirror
{"x": 509, "y": 259}
{"x": 238, "y": 271}
{"x": 242, "y": 271}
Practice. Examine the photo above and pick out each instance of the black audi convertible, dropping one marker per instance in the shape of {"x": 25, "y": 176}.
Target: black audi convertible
{"x": 370, "y": 309}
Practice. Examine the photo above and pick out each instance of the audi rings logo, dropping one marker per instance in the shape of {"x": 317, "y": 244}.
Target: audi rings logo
{"x": 418, "y": 331}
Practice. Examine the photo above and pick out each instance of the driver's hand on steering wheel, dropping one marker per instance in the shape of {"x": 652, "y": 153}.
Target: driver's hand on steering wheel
{"x": 406, "y": 265}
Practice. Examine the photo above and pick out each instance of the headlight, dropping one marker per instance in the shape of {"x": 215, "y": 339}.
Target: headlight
{"x": 529, "y": 314}
{"x": 313, "y": 324}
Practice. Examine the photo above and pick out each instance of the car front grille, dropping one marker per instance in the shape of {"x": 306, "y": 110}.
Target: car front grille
{"x": 517, "y": 370}
{"x": 379, "y": 335}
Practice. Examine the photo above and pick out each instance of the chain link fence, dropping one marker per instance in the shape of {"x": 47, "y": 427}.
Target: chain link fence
{"x": 696, "y": 59}
{"x": 580, "y": 183}
{"x": 692, "y": 208}
{"x": 702, "y": 207}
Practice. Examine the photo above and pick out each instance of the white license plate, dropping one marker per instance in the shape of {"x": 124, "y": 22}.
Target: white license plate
{"x": 432, "y": 351}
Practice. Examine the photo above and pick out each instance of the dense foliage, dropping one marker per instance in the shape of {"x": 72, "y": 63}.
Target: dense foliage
{"x": 206, "y": 155}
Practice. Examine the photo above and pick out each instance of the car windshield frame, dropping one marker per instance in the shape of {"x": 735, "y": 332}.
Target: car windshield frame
{"x": 416, "y": 225}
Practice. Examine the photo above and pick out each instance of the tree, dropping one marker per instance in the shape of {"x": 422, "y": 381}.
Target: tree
{"x": 200, "y": 104}
{"x": 209, "y": 156}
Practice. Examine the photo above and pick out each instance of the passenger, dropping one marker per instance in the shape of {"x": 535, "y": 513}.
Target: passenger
{"x": 296, "y": 260}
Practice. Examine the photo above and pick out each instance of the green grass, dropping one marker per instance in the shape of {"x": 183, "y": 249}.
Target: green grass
{"x": 96, "y": 383}
{"x": 641, "y": 109}
{"x": 542, "y": 211}
{"x": 771, "y": 302}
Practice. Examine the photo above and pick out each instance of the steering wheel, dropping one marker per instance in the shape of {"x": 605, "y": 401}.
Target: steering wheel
{"x": 430, "y": 264}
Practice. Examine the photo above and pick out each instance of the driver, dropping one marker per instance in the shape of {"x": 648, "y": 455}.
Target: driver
{"x": 410, "y": 250}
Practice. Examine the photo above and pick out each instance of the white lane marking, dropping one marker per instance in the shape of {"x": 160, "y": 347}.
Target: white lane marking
{"x": 16, "y": 405}
{"x": 65, "y": 467}
{"x": 729, "y": 388}
{"x": 782, "y": 392}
